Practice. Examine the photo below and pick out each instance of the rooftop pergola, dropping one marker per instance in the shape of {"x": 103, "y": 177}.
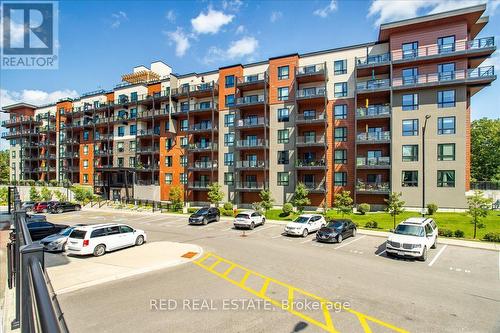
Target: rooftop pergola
{"x": 140, "y": 76}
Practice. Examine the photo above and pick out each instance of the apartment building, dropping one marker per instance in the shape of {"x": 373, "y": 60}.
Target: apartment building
{"x": 349, "y": 118}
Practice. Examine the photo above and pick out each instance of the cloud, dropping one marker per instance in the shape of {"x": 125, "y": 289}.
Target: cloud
{"x": 232, "y": 5}
{"x": 384, "y": 11}
{"x": 16, "y": 33}
{"x": 275, "y": 16}
{"x": 244, "y": 47}
{"x": 36, "y": 97}
{"x": 181, "y": 41}
{"x": 325, "y": 11}
{"x": 170, "y": 16}
{"x": 240, "y": 30}
{"x": 118, "y": 19}
{"x": 211, "y": 22}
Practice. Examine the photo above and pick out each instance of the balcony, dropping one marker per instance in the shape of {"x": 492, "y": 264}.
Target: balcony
{"x": 194, "y": 107}
{"x": 373, "y": 85}
{"x": 373, "y": 162}
{"x": 310, "y": 164}
{"x": 303, "y": 141}
{"x": 252, "y": 122}
{"x": 103, "y": 137}
{"x": 252, "y": 144}
{"x": 251, "y": 165}
{"x": 148, "y": 150}
{"x": 480, "y": 75}
{"x": 373, "y": 60}
{"x": 372, "y": 188}
{"x": 315, "y": 187}
{"x": 203, "y": 165}
{"x": 202, "y": 127}
{"x": 145, "y": 167}
{"x": 149, "y": 132}
{"x": 374, "y": 111}
{"x": 144, "y": 182}
{"x": 250, "y": 186}
{"x": 69, "y": 154}
{"x": 47, "y": 143}
{"x": 251, "y": 82}
{"x": 310, "y": 73}
{"x": 151, "y": 113}
{"x": 249, "y": 101}
{"x": 199, "y": 185}
{"x": 476, "y": 47}
{"x": 18, "y": 121}
{"x": 70, "y": 141}
{"x": 200, "y": 147}
{"x": 203, "y": 90}
{"x": 315, "y": 94}
{"x": 310, "y": 118}
{"x": 373, "y": 137}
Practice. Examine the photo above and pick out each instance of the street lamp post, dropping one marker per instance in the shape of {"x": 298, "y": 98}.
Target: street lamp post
{"x": 423, "y": 163}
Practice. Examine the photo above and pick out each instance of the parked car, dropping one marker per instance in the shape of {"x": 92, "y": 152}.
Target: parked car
{"x": 42, "y": 229}
{"x": 60, "y": 207}
{"x": 336, "y": 231}
{"x": 413, "y": 238}
{"x": 35, "y": 218}
{"x": 57, "y": 242}
{"x": 101, "y": 238}
{"x": 28, "y": 205}
{"x": 305, "y": 224}
{"x": 205, "y": 215}
{"x": 43, "y": 207}
{"x": 249, "y": 219}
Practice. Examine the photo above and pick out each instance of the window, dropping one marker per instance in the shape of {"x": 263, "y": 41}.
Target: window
{"x": 446, "y": 125}
{"x": 229, "y": 81}
{"x": 283, "y": 157}
{"x": 131, "y": 162}
{"x": 183, "y": 160}
{"x": 85, "y": 150}
{"x": 228, "y": 178}
{"x": 410, "y": 127}
{"x": 120, "y": 162}
{"x": 446, "y": 178}
{"x": 133, "y": 129}
{"x": 446, "y": 99}
{"x": 229, "y": 139}
{"x": 283, "y": 136}
{"x": 133, "y": 96}
{"x": 410, "y": 50}
{"x": 283, "y": 72}
{"x": 13, "y": 154}
{"x": 168, "y": 144}
{"x": 340, "y": 134}
{"x": 183, "y": 178}
{"x": 409, "y": 179}
{"x": 168, "y": 161}
{"x": 167, "y": 126}
{"x": 132, "y": 146}
{"x": 85, "y": 178}
{"x": 340, "y": 156}
{"x": 184, "y": 125}
{"x": 340, "y": 89}
{"x": 184, "y": 106}
{"x": 204, "y": 105}
{"x": 168, "y": 178}
{"x": 340, "y": 111}
{"x": 340, "y": 67}
{"x": 309, "y": 114}
{"x": 446, "y": 71}
{"x": 229, "y": 119}
{"x": 86, "y": 135}
{"x": 228, "y": 159}
{"x": 184, "y": 141}
{"x": 446, "y": 44}
{"x": 121, "y": 131}
{"x": 85, "y": 164}
{"x": 410, "y": 102}
{"x": 410, "y": 75}
{"x": 119, "y": 145}
{"x": 283, "y": 94}
{"x": 340, "y": 178}
{"x": 446, "y": 152}
{"x": 283, "y": 115}
{"x": 283, "y": 178}
{"x": 229, "y": 100}
{"x": 410, "y": 153}
{"x": 133, "y": 113}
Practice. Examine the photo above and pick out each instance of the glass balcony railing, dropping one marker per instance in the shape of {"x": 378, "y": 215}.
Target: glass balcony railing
{"x": 254, "y": 121}
{"x": 373, "y": 59}
{"x": 432, "y": 78}
{"x": 310, "y": 163}
{"x": 205, "y": 164}
{"x": 315, "y": 186}
{"x": 373, "y": 161}
{"x": 251, "y": 79}
{"x": 202, "y": 127}
{"x": 310, "y": 70}
{"x": 311, "y": 92}
{"x": 199, "y": 184}
{"x": 311, "y": 140}
{"x": 362, "y": 186}
{"x": 252, "y": 143}
{"x": 202, "y": 146}
{"x": 309, "y": 117}
{"x": 251, "y": 164}
{"x": 148, "y": 132}
{"x": 374, "y": 136}
{"x": 373, "y": 111}
{"x": 249, "y": 100}
{"x": 250, "y": 185}
{"x": 373, "y": 84}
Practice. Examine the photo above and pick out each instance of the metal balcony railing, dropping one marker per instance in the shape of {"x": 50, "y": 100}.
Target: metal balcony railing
{"x": 250, "y": 164}
{"x": 315, "y": 186}
{"x": 374, "y": 136}
{"x": 249, "y": 100}
{"x": 362, "y": 186}
{"x": 202, "y": 127}
{"x": 250, "y": 185}
{"x": 204, "y": 164}
{"x": 255, "y": 121}
{"x": 250, "y": 79}
{"x": 202, "y": 146}
{"x": 199, "y": 184}
{"x": 320, "y": 139}
{"x": 422, "y": 79}
{"x": 373, "y": 59}
{"x": 373, "y": 111}
{"x": 148, "y": 149}
{"x": 251, "y": 143}
{"x": 148, "y": 132}
{"x": 311, "y": 92}
{"x": 310, "y": 163}
{"x": 373, "y": 84}
{"x": 310, "y": 69}
{"x": 373, "y": 161}
{"x": 301, "y": 117}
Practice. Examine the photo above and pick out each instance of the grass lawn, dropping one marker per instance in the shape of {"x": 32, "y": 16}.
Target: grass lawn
{"x": 452, "y": 221}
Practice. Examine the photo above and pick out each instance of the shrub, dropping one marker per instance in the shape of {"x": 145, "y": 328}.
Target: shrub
{"x": 34, "y": 195}
{"x": 46, "y": 194}
{"x": 459, "y": 233}
{"x": 257, "y": 206}
{"x": 432, "y": 208}
{"x": 371, "y": 224}
{"x": 192, "y": 210}
{"x": 492, "y": 237}
{"x": 364, "y": 208}
{"x": 60, "y": 196}
{"x": 227, "y": 212}
{"x": 30, "y": 182}
{"x": 53, "y": 182}
{"x": 228, "y": 206}
{"x": 287, "y": 209}
{"x": 445, "y": 233}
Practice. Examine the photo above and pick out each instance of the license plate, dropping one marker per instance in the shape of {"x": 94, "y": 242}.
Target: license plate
{"x": 401, "y": 253}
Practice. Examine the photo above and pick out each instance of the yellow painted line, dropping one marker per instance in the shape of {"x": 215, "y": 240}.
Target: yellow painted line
{"x": 327, "y": 326}
{"x": 202, "y": 259}
{"x": 264, "y": 287}
{"x": 226, "y": 273}
{"x": 214, "y": 264}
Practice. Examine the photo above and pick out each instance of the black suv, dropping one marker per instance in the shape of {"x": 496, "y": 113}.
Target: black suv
{"x": 60, "y": 207}
{"x": 205, "y": 215}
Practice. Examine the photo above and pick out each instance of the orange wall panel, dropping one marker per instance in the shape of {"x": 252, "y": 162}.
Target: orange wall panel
{"x": 275, "y": 83}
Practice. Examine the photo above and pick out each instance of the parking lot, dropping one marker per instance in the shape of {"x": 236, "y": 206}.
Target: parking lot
{"x": 377, "y": 293}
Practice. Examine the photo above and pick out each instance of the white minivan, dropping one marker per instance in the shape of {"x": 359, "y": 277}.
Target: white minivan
{"x": 98, "y": 239}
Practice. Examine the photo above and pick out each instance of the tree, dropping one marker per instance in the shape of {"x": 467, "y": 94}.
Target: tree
{"x": 395, "y": 205}
{"x": 300, "y": 197}
{"x": 4, "y": 195}
{"x": 343, "y": 203}
{"x": 82, "y": 194}
{"x": 34, "y": 196}
{"x": 266, "y": 201}
{"x": 485, "y": 149}
{"x": 46, "y": 194}
{"x": 4, "y": 166}
{"x": 60, "y": 196}
{"x": 478, "y": 207}
{"x": 175, "y": 196}
{"x": 215, "y": 194}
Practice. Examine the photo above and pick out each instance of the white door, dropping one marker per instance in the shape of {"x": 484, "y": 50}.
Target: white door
{"x": 317, "y": 222}
{"x": 112, "y": 239}
{"x": 127, "y": 235}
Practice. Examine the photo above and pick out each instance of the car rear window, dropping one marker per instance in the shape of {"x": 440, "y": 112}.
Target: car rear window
{"x": 78, "y": 234}
{"x": 242, "y": 216}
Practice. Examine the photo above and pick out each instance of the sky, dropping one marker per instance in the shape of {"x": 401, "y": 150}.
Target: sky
{"x": 101, "y": 40}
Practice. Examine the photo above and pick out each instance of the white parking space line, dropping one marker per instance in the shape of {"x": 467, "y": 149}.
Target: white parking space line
{"x": 260, "y": 229}
{"x": 381, "y": 253}
{"x": 278, "y": 236}
{"x": 345, "y": 244}
{"x": 437, "y": 255}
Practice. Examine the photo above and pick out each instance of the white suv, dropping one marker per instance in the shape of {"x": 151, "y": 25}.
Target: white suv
{"x": 413, "y": 238}
{"x": 98, "y": 239}
{"x": 248, "y": 219}
{"x": 305, "y": 224}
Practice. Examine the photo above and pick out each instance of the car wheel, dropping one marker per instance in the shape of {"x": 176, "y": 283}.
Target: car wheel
{"x": 252, "y": 225}
{"x": 99, "y": 250}
{"x": 424, "y": 254}
{"x": 217, "y": 219}
{"x": 263, "y": 221}
{"x": 305, "y": 233}
{"x": 59, "y": 211}
{"x": 435, "y": 243}
{"x": 205, "y": 221}
{"x": 354, "y": 232}
{"x": 44, "y": 210}
{"x": 139, "y": 240}
{"x": 339, "y": 239}
{"x": 77, "y": 208}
